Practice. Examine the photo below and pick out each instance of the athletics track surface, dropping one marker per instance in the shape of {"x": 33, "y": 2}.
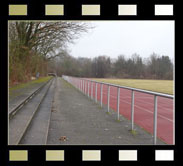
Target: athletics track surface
{"x": 143, "y": 108}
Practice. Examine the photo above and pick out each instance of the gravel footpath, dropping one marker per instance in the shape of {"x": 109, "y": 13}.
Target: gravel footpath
{"x": 77, "y": 120}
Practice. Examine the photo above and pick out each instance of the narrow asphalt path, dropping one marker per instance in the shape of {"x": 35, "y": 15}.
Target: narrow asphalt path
{"x": 77, "y": 120}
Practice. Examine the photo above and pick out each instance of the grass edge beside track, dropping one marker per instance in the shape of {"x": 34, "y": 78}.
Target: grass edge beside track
{"x": 161, "y": 86}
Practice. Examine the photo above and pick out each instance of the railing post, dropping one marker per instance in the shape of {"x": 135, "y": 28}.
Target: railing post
{"x": 108, "y": 98}
{"x": 101, "y": 96}
{"x": 132, "y": 110}
{"x": 91, "y": 90}
{"x": 88, "y": 89}
{"x": 85, "y": 86}
{"x": 80, "y": 84}
{"x": 118, "y": 101}
{"x": 96, "y": 92}
{"x": 155, "y": 119}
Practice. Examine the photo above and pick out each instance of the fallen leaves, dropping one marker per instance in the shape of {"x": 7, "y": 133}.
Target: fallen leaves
{"x": 53, "y": 110}
{"x": 63, "y": 138}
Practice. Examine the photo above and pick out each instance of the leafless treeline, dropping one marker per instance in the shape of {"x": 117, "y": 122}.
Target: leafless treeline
{"x": 153, "y": 67}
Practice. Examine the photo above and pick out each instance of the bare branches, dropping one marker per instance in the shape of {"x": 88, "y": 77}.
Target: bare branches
{"x": 45, "y": 37}
{"x": 33, "y": 44}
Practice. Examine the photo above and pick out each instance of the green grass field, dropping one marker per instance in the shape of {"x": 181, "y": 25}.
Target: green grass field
{"x": 24, "y": 85}
{"x": 162, "y": 86}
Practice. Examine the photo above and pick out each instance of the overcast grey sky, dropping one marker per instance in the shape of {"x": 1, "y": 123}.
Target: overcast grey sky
{"x": 113, "y": 38}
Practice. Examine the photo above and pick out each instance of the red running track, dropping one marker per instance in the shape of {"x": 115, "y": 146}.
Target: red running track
{"x": 143, "y": 108}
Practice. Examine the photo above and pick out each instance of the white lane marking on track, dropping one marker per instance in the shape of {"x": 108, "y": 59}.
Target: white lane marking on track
{"x": 150, "y": 111}
{"x": 142, "y": 107}
{"x": 167, "y": 109}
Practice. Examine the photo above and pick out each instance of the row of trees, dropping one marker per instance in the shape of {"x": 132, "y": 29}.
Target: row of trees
{"x": 32, "y": 44}
{"x": 153, "y": 67}
{"x": 39, "y": 46}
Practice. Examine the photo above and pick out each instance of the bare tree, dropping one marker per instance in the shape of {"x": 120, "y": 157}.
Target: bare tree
{"x": 46, "y": 38}
{"x": 33, "y": 43}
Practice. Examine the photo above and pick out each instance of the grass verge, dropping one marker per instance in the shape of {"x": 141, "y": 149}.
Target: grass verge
{"x": 162, "y": 86}
{"x": 25, "y": 85}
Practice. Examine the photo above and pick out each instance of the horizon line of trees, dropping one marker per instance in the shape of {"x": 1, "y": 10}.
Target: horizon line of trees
{"x": 136, "y": 67}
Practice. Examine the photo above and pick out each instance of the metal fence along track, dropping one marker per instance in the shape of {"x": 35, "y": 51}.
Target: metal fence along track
{"x": 102, "y": 92}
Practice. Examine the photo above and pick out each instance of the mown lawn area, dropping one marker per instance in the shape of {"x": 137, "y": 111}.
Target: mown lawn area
{"x": 162, "y": 86}
{"x": 27, "y": 84}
